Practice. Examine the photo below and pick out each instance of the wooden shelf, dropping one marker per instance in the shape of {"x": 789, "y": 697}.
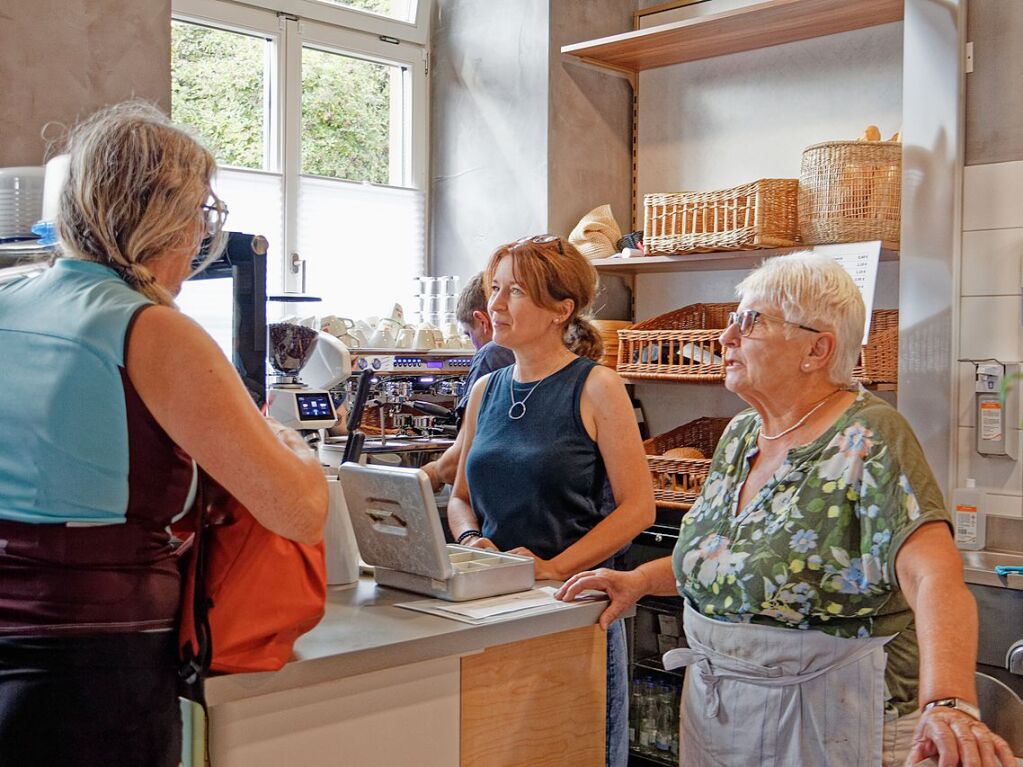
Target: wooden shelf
{"x": 702, "y": 262}
{"x": 745, "y": 29}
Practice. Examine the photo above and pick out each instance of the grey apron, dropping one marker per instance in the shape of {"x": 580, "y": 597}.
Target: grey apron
{"x": 760, "y": 695}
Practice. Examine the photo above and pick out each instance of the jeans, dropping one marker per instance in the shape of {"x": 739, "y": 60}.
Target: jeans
{"x": 617, "y": 733}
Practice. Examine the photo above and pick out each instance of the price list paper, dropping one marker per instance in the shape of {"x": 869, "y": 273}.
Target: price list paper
{"x": 860, "y": 260}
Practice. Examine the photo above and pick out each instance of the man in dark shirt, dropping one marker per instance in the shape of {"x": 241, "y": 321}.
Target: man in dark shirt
{"x": 474, "y": 322}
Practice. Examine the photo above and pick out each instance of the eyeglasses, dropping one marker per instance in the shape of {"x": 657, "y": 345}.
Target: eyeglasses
{"x": 542, "y": 239}
{"x": 747, "y": 320}
{"x": 215, "y": 215}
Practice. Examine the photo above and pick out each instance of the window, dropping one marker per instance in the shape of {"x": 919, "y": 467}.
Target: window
{"x": 347, "y": 117}
{"x": 318, "y": 124}
{"x": 395, "y": 9}
{"x": 217, "y": 67}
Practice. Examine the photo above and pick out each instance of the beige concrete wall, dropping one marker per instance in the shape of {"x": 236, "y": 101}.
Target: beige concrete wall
{"x": 994, "y": 100}
{"x": 488, "y": 140}
{"x": 589, "y": 139}
{"x": 521, "y": 141}
{"x": 63, "y": 59}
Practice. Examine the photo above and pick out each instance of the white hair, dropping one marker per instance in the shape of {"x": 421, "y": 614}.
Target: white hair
{"x": 813, "y": 290}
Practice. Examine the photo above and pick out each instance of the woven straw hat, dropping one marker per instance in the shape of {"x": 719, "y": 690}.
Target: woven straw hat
{"x": 597, "y": 234}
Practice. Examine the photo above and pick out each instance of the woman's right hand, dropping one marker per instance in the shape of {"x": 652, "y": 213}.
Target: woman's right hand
{"x": 482, "y": 543}
{"x": 623, "y": 589}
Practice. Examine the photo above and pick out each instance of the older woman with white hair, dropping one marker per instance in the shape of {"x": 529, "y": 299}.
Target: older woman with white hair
{"x": 826, "y": 617}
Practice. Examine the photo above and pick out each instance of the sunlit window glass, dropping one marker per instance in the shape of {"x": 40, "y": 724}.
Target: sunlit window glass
{"x": 351, "y": 118}
{"x": 226, "y": 69}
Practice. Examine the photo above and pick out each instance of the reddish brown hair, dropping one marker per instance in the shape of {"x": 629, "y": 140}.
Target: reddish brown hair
{"x": 550, "y": 270}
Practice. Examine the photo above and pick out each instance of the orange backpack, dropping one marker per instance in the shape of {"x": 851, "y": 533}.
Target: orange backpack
{"x": 248, "y": 593}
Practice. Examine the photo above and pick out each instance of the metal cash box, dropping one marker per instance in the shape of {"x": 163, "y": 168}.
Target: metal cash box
{"x": 398, "y": 528}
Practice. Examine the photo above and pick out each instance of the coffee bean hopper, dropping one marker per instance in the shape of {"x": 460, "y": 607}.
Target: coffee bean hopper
{"x": 294, "y": 403}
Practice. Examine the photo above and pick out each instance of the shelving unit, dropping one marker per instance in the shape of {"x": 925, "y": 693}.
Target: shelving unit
{"x": 701, "y": 262}
{"x": 760, "y": 25}
{"x": 745, "y": 29}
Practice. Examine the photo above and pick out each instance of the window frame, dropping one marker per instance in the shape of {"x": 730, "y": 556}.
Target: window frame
{"x": 416, "y": 31}
{"x": 290, "y": 26}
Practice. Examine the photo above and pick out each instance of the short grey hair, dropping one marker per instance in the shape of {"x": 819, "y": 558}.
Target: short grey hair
{"x": 136, "y": 183}
{"x": 813, "y": 290}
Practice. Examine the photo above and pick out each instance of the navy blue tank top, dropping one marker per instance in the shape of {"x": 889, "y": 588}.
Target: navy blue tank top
{"x": 537, "y": 481}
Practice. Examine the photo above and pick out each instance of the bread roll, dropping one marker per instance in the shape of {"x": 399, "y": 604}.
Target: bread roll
{"x": 872, "y": 133}
{"x": 683, "y": 452}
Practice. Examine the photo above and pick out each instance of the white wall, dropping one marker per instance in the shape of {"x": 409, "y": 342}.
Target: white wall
{"x": 992, "y": 246}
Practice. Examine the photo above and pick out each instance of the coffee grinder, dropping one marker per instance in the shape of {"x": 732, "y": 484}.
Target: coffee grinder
{"x": 289, "y": 400}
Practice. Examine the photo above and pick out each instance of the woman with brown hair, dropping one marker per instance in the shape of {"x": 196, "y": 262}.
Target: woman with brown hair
{"x": 114, "y": 397}
{"x": 544, "y": 437}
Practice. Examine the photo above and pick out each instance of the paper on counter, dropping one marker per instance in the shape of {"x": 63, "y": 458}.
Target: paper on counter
{"x": 492, "y": 609}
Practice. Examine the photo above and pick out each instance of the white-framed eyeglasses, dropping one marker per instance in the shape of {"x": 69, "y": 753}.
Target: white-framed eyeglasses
{"x": 746, "y": 320}
{"x": 215, "y": 214}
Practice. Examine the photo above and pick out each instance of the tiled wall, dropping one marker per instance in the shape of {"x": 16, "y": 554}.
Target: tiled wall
{"x": 990, "y": 316}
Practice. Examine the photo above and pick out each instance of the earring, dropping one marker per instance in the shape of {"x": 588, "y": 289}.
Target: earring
{"x": 806, "y": 366}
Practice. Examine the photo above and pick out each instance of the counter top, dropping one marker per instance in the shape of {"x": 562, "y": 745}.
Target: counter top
{"x": 362, "y": 631}
{"x": 979, "y": 568}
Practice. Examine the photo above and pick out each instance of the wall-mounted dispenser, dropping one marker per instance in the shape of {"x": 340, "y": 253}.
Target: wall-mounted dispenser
{"x": 996, "y": 421}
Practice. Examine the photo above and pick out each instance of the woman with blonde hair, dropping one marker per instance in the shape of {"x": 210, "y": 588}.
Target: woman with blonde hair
{"x": 544, "y": 436}
{"x": 111, "y": 397}
{"x": 826, "y": 618}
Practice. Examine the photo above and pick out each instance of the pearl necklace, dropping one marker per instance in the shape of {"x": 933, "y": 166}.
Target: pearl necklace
{"x": 798, "y": 423}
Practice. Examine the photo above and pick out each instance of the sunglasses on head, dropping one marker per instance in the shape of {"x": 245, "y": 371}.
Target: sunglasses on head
{"x": 541, "y": 239}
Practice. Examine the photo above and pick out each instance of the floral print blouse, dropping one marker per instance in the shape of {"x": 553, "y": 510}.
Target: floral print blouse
{"x": 816, "y": 547}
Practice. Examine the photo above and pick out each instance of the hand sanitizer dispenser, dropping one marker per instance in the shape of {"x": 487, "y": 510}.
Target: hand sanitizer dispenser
{"x": 996, "y": 435}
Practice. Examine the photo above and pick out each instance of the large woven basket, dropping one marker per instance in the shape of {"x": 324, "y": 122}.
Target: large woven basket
{"x": 677, "y": 482}
{"x": 681, "y": 345}
{"x": 879, "y": 359}
{"x": 851, "y": 191}
{"x": 757, "y": 215}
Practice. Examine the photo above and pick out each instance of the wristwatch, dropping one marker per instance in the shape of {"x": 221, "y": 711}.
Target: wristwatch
{"x": 958, "y": 704}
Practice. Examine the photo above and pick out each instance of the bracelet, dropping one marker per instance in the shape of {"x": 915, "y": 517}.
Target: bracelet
{"x": 469, "y": 534}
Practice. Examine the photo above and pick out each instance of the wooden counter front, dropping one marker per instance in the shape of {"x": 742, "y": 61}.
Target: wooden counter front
{"x": 536, "y": 702}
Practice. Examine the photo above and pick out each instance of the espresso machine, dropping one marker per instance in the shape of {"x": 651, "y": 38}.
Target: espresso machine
{"x": 305, "y": 406}
{"x": 409, "y": 404}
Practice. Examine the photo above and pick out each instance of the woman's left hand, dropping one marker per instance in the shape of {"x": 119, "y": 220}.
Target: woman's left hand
{"x": 543, "y": 569}
{"x": 955, "y": 738}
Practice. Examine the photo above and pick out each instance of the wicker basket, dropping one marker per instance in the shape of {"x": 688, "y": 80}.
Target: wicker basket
{"x": 879, "y": 359}
{"x": 757, "y": 215}
{"x": 677, "y": 482}
{"x": 608, "y": 330}
{"x": 681, "y": 345}
{"x": 851, "y": 191}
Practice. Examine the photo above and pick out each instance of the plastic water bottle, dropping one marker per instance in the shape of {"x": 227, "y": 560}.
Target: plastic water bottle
{"x": 648, "y": 719}
{"x": 635, "y": 706}
{"x": 664, "y": 702}
{"x": 968, "y": 509}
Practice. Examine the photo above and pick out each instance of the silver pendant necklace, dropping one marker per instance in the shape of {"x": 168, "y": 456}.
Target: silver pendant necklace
{"x": 798, "y": 423}
{"x": 518, "y": 409}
